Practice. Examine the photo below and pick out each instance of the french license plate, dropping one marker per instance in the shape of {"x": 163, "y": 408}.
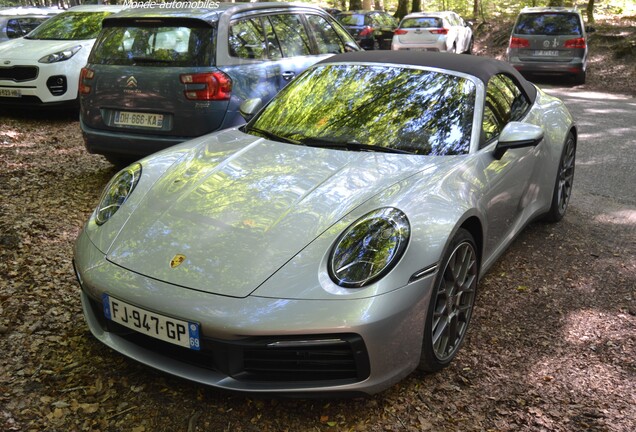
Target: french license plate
{"x": 546, "y": 53}
{"x": 167, "y": 329}
{"x": 14, "y": 93}
{"x": 126, "y": 118}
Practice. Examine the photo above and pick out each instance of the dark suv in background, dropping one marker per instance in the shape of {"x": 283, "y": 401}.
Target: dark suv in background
{"x": 373, "y": 30}
{"x": 549, "y": 41}
{"x": 157, "y": 77}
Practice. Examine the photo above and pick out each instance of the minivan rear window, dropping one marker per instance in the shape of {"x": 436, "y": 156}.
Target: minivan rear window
{"x": 551, "y": 24}
{"x": 159, "y": 45}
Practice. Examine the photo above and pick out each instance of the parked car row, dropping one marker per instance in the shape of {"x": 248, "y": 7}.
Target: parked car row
{"x": 263, "y": 53}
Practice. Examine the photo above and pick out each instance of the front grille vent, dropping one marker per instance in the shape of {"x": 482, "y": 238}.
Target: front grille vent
{"x": 19, "y": 73}
{"x": 57, "y": 85}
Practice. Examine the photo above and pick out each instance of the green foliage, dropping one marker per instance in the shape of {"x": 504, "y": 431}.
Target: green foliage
{"x": 489, "y": 9}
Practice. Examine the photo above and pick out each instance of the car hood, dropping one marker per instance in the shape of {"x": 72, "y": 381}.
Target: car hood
{"x": 236, "y": 216}
{"x": 35, "y": 49}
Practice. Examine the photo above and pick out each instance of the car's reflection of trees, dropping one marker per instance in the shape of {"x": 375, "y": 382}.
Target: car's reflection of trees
{"x": 415, "y": 110}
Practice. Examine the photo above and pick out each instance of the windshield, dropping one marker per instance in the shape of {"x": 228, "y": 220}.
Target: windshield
{"x": 552, "y": 24}
{"x": 70, "y": 26}
{"x": 366, "y": 106}
{"x": 157, "y": 45}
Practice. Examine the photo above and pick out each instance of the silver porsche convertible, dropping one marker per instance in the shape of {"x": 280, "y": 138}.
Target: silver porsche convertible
{"x": 334, "y": 243}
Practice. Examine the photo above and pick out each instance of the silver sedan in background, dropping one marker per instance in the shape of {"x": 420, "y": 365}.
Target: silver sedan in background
{"x": 335, "y": 242}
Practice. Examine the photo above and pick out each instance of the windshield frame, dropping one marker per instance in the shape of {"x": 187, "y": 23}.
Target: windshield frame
{"x": 479, "y": 98}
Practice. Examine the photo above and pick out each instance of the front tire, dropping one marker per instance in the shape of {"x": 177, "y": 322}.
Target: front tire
{"x": 564, "y": 181}
{"x": 451, "y": 304}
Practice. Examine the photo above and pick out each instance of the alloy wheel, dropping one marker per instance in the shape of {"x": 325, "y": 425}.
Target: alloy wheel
{"x": 454, "y": 300}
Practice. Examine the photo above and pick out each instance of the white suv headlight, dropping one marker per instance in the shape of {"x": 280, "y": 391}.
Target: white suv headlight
{"x": 60, "y": 55}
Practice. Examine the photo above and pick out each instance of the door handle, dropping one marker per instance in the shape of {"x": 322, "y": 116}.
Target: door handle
{"x": 288, "y": 75}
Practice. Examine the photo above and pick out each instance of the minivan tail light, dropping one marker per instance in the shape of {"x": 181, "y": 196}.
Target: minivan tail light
{"x": 207, "y": 86}
{"x": 439, "y": 31}
{"x": 85, "y": 75}
{"x": 516, "y": 42}
{"x": 575, "y": 43}
{"x": 366, "y": 31}
{"x": 400, "y": 32}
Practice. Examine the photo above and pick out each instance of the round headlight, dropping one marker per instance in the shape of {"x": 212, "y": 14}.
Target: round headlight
{"x": 369, "y": 248}
{"x": 117, "y": 192}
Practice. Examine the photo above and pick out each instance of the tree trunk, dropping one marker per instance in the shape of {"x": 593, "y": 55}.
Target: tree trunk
{"x": 416, "y": 6}
{"x": 475, "y": 9}
{"x": 402, "y": 9}
{"x": 355, "y": 5}
{"x": 590, "y": 12}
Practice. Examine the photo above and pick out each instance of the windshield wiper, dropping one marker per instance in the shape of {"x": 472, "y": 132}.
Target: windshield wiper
{"x": 271, "y": 135}
{"x": 349, "y": 145}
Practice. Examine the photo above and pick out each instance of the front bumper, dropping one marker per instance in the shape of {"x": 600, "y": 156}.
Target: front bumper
{"x": 366, "y": 344}
{"x": 49, "y": 84}
{"x": 573, "y": 67}
{"x": 124, "y": 143}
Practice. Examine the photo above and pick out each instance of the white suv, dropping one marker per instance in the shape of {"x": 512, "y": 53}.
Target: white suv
{"x": 43, "y": 67}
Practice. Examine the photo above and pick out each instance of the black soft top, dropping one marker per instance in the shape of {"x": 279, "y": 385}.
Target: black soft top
{"x": 482, "y": 68}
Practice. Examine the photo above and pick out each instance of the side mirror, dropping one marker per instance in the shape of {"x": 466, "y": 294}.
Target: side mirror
{"x": 250, "y": 107}
{"x": 518, "y": 135}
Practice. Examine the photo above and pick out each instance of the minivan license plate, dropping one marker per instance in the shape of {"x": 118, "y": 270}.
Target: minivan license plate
{"x": 167, "y": 329}
{"x": 126, "y": 118}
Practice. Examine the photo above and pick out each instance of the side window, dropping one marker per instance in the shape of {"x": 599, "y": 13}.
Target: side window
{"x": 326, "y": 37}
{"x": 375, "y": 20}
{"x": 291, "y": 34}
{"x": 504, "y": 103}
{"x": 13, "y": 29}
{"x": 274, "y": 51}
{"x": 247, "y": 39}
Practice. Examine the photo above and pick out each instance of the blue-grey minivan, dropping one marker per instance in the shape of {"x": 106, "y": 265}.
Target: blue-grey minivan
{"x": 160, "y": 76}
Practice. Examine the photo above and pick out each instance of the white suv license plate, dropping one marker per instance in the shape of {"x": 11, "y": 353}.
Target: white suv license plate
{"x": 147, "y": 120}
{"x": 167, "y": 329}
{"x": 12, "y": 93}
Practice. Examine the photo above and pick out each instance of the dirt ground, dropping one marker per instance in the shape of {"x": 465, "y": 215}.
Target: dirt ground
{"x": 552, "y": 345}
